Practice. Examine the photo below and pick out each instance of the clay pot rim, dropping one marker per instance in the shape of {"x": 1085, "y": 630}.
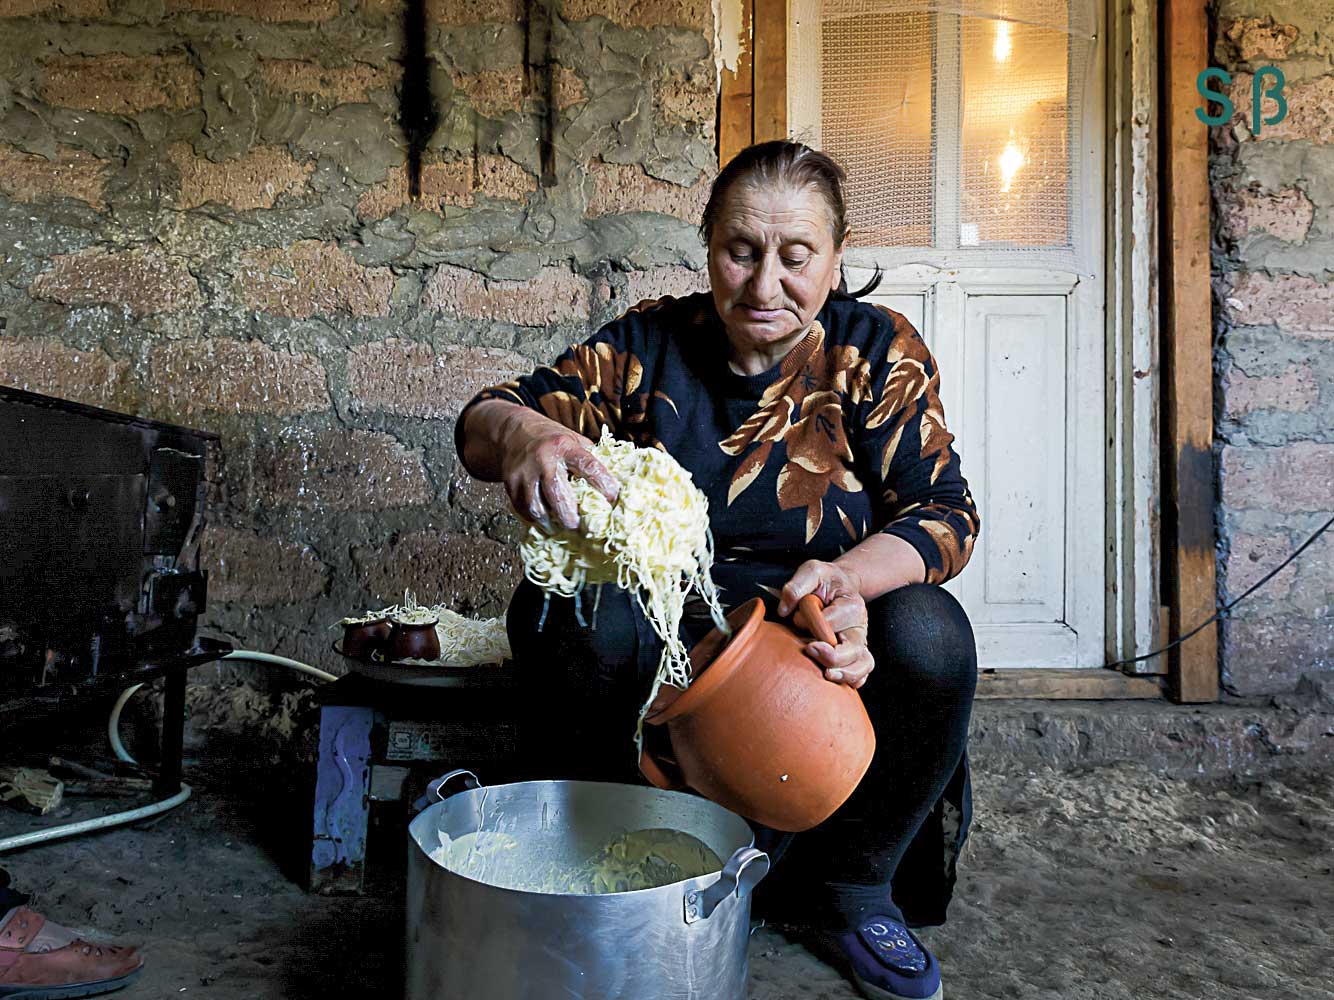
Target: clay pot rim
{"x": 717, "y": 672}
{"x": 398, "y": 622}
{"x": 349, "y": 623}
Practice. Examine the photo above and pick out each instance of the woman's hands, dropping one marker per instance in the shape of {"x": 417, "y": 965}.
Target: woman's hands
{"x": 850, "y": 662}
{"x": 534, "y": 457}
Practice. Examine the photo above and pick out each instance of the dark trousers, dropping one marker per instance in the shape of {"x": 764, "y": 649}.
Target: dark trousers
{"x": 9, "y": 898}
{"x": 586, "y": 682}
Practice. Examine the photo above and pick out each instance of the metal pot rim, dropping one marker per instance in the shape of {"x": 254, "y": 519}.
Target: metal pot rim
{"x": 421, "y": 821}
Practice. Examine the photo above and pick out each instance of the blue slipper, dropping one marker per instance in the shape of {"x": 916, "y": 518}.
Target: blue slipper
{"x": 889, "y": 962}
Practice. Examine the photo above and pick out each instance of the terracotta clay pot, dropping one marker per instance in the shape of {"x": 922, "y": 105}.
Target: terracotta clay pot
{"x": 362, "y": 639}
{"x": 413, "y": 641}
{"x": 760, "y": 730}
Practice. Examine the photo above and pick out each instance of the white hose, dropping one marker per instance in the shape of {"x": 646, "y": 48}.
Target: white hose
{"x": 113, "y": 725}
{"x": 280, "y": 661}
{"x": 118, "y": 748}
{"x": 97, "y": 823}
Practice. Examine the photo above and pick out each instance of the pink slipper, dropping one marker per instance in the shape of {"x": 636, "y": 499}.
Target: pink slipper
{"x": 40, "y": 960}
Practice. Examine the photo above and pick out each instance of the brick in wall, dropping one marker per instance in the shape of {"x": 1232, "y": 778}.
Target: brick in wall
{"x": 497, "y": 92}
{"x": 231, "y": 376}
{"x": 397, "y": 376}
{"x": 1264, "y": 655}
{"x": 1250, "y": 557}
{"x": 618, "y": 188}
{"x": 1286, "y": 215}
{"x": 472, "y": 575}
{"x": 1290, "y": 301}
{"x": 1310, "y": 110}
{"x": 448, "y": 12}
{"x": 261, "y": 10}
{"x": 689, "y": 100}
{"x": 121, "y": 85}
{"x": 458, "y": 182}
{"x": 246, "y": 568}
{"x": 53, "y": 369}
{"x": 256, "y": 179}
{"x": 338, "y": 470}
{"x": 1289, "y": 479}
{"x": 483, "y": 501}
{"x": 1294, "y": 391}
{"x": 694, "y": 14}
{"x": 327, "y": 85}
{"x": 654, "y": 284}
{"x": 1253, "y": 39}
{"x": 73, "y": 173}
{"x": 142, "y": 282}
{"x": 556, "y": 295}
{"x": 312, "y": 278}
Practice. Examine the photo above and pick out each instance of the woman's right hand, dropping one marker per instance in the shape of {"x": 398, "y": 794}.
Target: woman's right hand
{"x": 537, "y": 459}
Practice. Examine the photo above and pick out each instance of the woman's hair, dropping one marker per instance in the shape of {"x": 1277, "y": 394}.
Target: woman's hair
{"x": 783, "y": 163}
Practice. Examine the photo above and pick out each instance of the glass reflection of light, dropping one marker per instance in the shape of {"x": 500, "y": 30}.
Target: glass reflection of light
{"x": 1002, "y": 47}
{"x": 1010, "y": 162}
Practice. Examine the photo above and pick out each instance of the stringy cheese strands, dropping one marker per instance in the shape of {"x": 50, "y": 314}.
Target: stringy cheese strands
{"x": 653, "y": 542}
{"x": 468, "y": 642}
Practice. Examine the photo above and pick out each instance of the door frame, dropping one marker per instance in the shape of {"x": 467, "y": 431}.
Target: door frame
{"x": 752, "y": 108}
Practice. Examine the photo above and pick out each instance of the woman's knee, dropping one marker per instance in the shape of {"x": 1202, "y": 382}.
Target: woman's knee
{"x": 923, "y": 635}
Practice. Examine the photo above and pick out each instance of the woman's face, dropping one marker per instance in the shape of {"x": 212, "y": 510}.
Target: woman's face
{"x": 772, "y": 264}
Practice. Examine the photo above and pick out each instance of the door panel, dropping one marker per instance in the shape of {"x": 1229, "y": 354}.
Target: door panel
{"x": 1020, "y": 383}
{"x": 1017, "y": 389}
{"x": 1005, "y": 288}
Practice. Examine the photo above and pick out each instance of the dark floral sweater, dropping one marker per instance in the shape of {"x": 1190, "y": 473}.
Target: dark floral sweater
{"x": 842, "y": 439}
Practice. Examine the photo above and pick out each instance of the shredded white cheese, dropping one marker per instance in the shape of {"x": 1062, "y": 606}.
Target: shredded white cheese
{"x": 469, "y": 642}
{"x": 654, "y": 542}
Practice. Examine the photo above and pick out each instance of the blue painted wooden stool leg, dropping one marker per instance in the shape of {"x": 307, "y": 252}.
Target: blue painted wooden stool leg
{"x": 342, "y": 800}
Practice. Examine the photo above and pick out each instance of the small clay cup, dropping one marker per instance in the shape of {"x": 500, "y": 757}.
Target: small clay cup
{"x": 414, "y": 641}
{"x": 760, "y": 730}
{"x": 362, "y": 640}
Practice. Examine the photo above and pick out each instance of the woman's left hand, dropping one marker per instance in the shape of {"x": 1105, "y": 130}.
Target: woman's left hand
{"x": 839, "y": 589}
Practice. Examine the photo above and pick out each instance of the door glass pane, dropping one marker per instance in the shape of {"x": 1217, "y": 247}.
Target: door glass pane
{"x": 1015, "y": 156}
{"x": 875, "y": 119}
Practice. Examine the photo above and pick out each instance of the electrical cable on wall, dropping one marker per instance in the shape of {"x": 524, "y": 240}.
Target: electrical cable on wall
{"x": 1227, "y": 608}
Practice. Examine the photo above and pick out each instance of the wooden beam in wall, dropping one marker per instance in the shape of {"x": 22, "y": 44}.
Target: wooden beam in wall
{"x": 1088, "y": 683}
{"x": 753, "y": 103}
{"x": 1187, "y": 355}
{"x": 770, "y": 70}
{"x": 736, "y": 101}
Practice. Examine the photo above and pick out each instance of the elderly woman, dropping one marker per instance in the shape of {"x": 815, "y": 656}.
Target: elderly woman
{"x": 812, "y": 423}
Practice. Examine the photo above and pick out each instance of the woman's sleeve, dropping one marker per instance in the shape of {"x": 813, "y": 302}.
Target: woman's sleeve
{"x": 923, "y": 497}
{"x": 584, "y": 389}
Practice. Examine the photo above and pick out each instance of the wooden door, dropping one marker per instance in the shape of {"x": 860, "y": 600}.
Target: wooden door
{"x": 997, "y": 270}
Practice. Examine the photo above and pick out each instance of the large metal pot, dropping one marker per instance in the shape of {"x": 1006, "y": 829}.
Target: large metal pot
{"x": 476, "y": 941}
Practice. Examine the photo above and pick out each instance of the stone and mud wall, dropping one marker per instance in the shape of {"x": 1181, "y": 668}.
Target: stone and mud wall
{"x": 318, "y": 226}
{"x": 1274, "y": 336}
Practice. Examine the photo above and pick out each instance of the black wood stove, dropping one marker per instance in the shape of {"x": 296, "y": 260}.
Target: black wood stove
{"x": 100, "y": 585}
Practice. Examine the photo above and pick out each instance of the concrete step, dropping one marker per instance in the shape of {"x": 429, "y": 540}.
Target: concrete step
{"x": 1237, "y": 738}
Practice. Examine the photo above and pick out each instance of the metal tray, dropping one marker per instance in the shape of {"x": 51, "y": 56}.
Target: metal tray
{"x": 417, "y": 673}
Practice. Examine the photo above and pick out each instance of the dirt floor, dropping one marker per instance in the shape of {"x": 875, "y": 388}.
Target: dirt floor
{"x": 1113, "y": 883}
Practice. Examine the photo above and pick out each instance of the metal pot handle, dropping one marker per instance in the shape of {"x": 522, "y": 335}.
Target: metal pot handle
{"x": 435, "y": 789}
{"x": 740, "y": 875}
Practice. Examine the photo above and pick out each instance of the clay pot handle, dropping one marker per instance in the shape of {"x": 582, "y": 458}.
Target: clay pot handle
{"x": 810, "y": 616}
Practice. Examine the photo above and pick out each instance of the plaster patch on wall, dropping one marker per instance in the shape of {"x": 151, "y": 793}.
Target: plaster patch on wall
{"x": 727, "y": 42}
